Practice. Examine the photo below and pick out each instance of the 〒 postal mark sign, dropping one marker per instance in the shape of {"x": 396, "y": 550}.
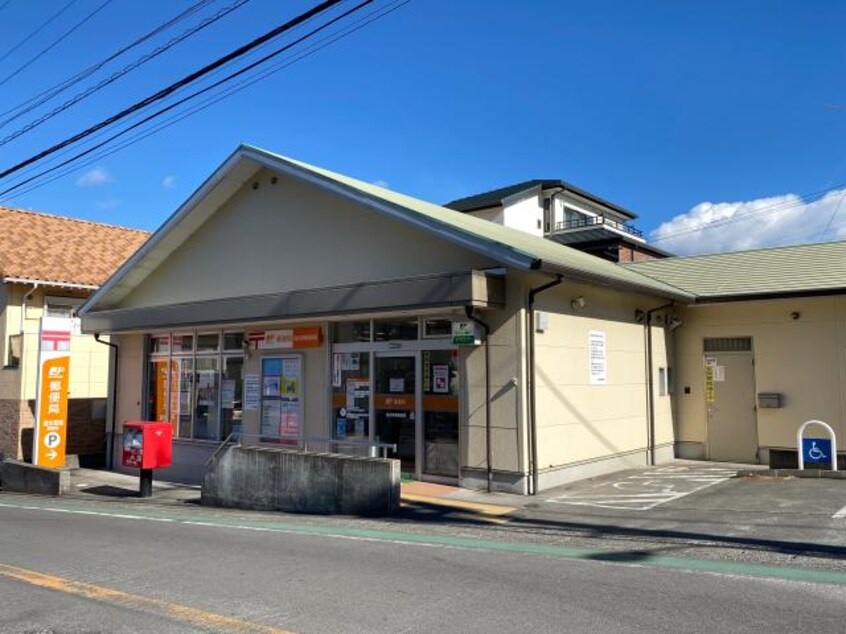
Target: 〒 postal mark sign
{"x": 51, "y": 408}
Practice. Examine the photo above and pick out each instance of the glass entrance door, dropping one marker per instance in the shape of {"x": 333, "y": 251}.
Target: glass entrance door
{"x": 395, "y": 406}
{"x": 440, "y": 413}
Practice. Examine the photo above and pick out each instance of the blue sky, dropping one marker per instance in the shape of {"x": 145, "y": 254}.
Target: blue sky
{"x": 663, "y": 107}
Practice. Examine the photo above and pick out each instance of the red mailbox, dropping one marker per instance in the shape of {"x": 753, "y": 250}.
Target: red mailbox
{"x": 147, "y": 445}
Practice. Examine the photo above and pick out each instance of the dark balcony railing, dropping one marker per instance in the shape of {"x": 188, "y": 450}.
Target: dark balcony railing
{"x": 593, "y": 221}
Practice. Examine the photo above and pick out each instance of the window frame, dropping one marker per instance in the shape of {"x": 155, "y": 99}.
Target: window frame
{"x": 170, "y": 356}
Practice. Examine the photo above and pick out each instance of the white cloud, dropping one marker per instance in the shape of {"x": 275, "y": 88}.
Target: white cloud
{"x": 169, "y": 181}
{"x": 754, "y": 224}
{"x": 110, "y": 204}
{"x": 94, "y": 177}
{"x": 382, "y": 184}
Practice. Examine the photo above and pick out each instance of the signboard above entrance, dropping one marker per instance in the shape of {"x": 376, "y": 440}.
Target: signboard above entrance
{"x": 465, "y": 333}
{"x": 286, "y": 339}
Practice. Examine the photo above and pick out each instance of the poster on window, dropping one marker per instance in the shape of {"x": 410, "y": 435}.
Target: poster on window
{"x": 252, "y": 392}
{"x": 289, "y": 422}
{"x": 440, "y": 379}
{"x": 289, "y": 387}
{"x": 337, "y": 360}
{"x": 227, "y": 393}
{"x": 270, "y": 386}
{"x": 271, "y": 415}
{"x": 597, "y": 358}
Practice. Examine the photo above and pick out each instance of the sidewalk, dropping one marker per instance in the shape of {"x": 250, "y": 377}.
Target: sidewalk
{"x": 681, "y": 501}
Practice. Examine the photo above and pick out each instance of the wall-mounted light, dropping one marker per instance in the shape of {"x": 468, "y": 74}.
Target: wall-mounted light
{"x": 577, "y": 303}
{"x": 639, "y": 316}
{"x": 795, "y": 315}
{"x": 674, "y": 322}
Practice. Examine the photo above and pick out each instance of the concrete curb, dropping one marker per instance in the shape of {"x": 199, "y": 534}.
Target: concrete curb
{"x": 792, "y": 473}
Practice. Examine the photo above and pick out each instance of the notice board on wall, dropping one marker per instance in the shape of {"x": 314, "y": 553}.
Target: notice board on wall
{"x": 597, "y": 358}
{"x": 282, "y": 397}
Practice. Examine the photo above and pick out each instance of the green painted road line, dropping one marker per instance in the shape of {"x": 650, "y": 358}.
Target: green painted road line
{"x": 626, "y": 558}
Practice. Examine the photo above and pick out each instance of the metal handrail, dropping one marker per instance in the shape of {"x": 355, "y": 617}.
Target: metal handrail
{"x": 304, "y": 440}
{"x": 220, "y": 447}
{"x": 589, "y": 221}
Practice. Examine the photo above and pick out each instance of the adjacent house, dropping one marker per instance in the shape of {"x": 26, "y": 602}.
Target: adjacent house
{"x": 566, "y": 214}
{"x": 49, "y": 265}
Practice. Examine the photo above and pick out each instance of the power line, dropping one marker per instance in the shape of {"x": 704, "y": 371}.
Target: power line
{"x": 752, "y": 213}
{"x": 165, "y": 92}
{"x": 56, "y": 42}
{"x": 207, "y": 103}
{"x": 48, "y": 94}
{"x": 38, "y": 30}
{"x": 4, "y": 5}
{"x": 193, "y": 95}
{"x": 116, "y": 76}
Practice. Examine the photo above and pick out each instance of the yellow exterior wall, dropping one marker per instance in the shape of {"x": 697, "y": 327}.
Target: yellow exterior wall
{"x": 803, "y": 359}
{"x": 291, "y": 236}
{"x": 89, "y": 359}
{"x": 580, "y": 422}
{"x": 508, "y": 403}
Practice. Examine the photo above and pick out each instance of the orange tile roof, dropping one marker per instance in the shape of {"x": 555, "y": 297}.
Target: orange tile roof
{"x": 49, "y": 248}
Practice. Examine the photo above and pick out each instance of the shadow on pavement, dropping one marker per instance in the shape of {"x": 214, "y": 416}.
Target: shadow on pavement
{"x": 107, "y": 490}
{"x": 425, "y": 512}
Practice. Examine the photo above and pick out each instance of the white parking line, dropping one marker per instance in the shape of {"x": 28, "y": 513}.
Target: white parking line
{"x": 841, "y": 514}
{"x": 645, "y": 490}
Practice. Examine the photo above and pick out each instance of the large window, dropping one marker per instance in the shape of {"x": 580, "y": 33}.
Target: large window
{"x": 194, "y": 381}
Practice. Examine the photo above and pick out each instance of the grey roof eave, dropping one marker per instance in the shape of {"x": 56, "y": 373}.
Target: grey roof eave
{"x": 675, "y": 295}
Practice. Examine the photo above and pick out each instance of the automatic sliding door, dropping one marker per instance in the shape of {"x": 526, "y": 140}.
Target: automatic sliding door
{"x": 440, "y": 413}
{"x": 394, "y": 406}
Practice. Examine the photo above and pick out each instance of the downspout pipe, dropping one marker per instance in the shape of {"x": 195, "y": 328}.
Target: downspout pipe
{"x": 112, "y": 400}
{"x": 488, "y": 447}
{"x": 530, "y": 358}
{"x": 27, "y": 296}
{"x": 650, "y": 387}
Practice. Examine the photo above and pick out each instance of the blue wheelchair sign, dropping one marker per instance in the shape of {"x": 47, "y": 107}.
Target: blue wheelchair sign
{"x": 816, "y": 449}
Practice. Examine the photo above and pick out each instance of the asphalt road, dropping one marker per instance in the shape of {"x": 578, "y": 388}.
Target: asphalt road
{"x": 76, "y": 567}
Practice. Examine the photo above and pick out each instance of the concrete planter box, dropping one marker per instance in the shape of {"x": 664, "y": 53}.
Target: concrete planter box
{"x": 270, "y": 479}
{"x": 22, "y": 477}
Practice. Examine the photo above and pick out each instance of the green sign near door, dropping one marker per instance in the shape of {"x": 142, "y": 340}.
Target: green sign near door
{"x": 465, "y": 333}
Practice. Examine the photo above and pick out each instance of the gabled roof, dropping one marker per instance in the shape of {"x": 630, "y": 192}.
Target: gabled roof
{"x": 508, "y": 246}
{"x": 781, "y": 271}
{"x": 494, "y": 197}
{"x": 44, "y": 248}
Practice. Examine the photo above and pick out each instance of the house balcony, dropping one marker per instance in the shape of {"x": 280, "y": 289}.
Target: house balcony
{"x": 593, "y": 228}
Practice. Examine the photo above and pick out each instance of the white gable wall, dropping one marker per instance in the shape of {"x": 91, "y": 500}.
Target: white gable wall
{"x": 290, "y": 236}
{"x": 524, "y": 212}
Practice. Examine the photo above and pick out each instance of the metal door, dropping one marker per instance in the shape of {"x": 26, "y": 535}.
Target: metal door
{"x": 730, "y": 402}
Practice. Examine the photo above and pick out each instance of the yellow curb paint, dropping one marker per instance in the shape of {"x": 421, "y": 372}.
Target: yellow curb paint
{"x": 193, "y": 616}
{"x": 464, "y": 505}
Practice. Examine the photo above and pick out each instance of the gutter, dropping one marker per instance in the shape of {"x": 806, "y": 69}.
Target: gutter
{"x": 112, "y": 401}
{"x": 488, "y": 447}
{"x": 530, "y": 354}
